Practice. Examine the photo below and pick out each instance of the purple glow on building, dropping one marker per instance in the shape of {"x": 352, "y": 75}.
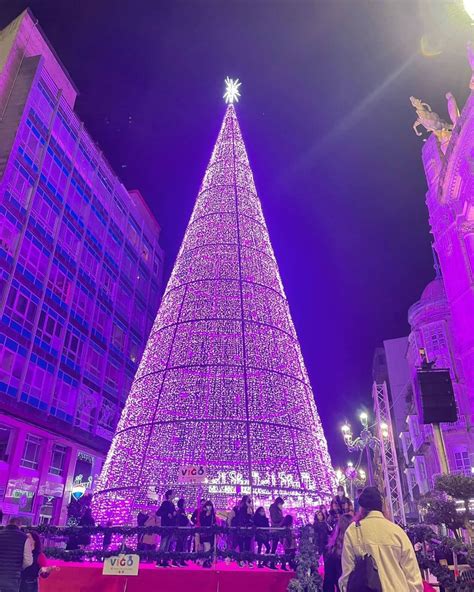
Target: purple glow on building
{"x": 80, "y": 282}
{"x": 222, "y": 381}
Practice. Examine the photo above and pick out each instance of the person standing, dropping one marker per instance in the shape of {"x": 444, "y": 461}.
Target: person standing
{"x": 332, "y": 555}
{"x": 87, "y": 522}
{"x": 322, "y": 508}
{"x": 141, "y": 520}
{"x": 322, "y": 530}
{"x": 15, "y": 553}
{"x": 39, "y": 567}
{"x": 182, "y": 521}
{"x": 150, "y": 539}
{"x": 245, "y": 521}
{"x": 276, "y": 519}
{"x": 262, "y": 536}
{"x": 386, "y": 542}
{"x": 232, "y": 522}
{"x": 341, "y": 497}
{"x": 208, "y": 519}
{"x": 107, "y": 540}
{"x": 167, "y": 513}
{"x": 348, "y": 507}
{"x": 289, "y": 543}
{"x": 334, "y": 513}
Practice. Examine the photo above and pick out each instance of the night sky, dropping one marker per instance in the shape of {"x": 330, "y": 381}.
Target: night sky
{"x": 326, "y": 118}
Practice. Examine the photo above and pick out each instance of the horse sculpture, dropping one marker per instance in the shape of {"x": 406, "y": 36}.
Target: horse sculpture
{"x": 430, "y": 120}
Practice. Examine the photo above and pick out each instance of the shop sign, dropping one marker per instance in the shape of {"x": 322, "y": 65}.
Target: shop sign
{"x": 192, "y": 474}
{"x": 82, "y": 479}
{"x": 78, "y": 490}
{"x": 121, "y": 565}
{"x": 18, "y": 487}
{"x": 51, "y": 489}
{"x": 22, "y": 492}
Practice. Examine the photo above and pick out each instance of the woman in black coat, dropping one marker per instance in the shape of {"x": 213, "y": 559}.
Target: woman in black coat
{"x": 322, "y": 530}
{"x": 262, "y": 537}
{"x": 245, "y": 520}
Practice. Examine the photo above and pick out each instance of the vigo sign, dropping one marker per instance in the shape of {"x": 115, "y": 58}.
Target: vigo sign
{"x": 192, "y": 474}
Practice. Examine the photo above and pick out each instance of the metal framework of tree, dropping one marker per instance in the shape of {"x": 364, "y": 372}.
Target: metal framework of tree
{"x": 222, "y": 381}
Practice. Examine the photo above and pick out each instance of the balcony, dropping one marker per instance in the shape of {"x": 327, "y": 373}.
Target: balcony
{"x": 417, "y": 432}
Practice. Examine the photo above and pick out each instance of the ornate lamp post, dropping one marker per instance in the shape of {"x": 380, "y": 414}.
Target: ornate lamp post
{"x": 365, "y": 441}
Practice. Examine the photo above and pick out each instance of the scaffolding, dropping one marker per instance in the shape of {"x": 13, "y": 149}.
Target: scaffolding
{"x": 388, "y": 453}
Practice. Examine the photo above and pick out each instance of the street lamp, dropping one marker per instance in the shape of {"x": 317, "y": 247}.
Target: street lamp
{"x": 352, "y": 477}
{"x": 365, "y": 441}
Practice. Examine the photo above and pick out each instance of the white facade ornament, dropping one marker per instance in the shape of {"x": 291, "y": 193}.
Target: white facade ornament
{"x": 453, "y": 108}
{"x": 470, "y": 57}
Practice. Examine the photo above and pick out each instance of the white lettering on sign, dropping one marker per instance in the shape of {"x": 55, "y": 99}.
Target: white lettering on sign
{"x": 192, "y": 474}
{"x": 121, "y": 565}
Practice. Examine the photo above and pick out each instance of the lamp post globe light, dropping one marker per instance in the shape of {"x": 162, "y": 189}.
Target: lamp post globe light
{"x": 366, "y": 441}
{"x": 351, "y": 478}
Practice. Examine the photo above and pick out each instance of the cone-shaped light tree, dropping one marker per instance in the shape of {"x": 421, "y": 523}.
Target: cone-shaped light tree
{"x": 222, "y": 382}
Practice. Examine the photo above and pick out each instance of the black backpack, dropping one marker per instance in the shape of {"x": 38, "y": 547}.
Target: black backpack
{"x": 365, "y": 575}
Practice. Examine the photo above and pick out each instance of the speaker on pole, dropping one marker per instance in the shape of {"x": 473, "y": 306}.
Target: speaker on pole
{"x": 437, "y": 396}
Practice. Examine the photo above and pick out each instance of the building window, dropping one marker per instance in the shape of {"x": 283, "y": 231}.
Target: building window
{"x": 60, "y": 284}
{"x": 118, "y": 336}
{"x": 31, "y": 452}
{"x": 49, "y": 329}
{"x": 462, "y": 462}
{"x": 8, "y": 236}
{"x": 73, "y": 346}
{"x": 82, "y": 301}
{"x": 133, "y": 234}
{"x": 64, "y": 397}
{"x": 89, "y": 262}
{"x": 11, "y": 367}
{"x": 94, "y": 362}
{"x": 37, "y": 384}
{"x": 133, "y": 350}
{"x": 58, "y": 459}
{"x": 33, "y": 258}
{"x": 112, "y": 375}
{"x": 21, "y": 308}
{"x": 102, "y": 321}
{"x": 44, "y": 211}
{"x": 108, "y": 283}
{"x": 68, "y": 239}
{"x": 5, "y": 437}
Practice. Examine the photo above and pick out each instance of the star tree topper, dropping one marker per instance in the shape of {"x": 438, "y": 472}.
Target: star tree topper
{"x": 232, "y": 92}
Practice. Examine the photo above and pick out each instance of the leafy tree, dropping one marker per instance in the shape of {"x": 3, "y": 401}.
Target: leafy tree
{"x": 459, "y": 487}
{"x": 441, "y": 509}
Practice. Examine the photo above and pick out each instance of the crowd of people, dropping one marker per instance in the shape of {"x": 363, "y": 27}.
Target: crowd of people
{"x": 22, "y": 559}
{"x": 341, "y": 536}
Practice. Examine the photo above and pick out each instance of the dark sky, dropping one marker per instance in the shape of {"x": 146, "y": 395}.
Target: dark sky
{"x": 327, "y": 121}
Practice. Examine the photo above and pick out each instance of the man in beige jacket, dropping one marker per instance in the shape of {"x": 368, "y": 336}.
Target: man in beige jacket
{"x": 386, "y": 542}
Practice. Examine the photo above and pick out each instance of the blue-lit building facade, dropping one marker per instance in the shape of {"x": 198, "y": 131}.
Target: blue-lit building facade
{"x": 80, "y": 282}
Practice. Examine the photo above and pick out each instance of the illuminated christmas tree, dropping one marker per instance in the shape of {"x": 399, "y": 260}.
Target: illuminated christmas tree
{"x": 222, "y": 382}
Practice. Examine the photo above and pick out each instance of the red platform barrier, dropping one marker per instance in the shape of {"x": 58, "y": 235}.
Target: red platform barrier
{"x": 87, "y": 577}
